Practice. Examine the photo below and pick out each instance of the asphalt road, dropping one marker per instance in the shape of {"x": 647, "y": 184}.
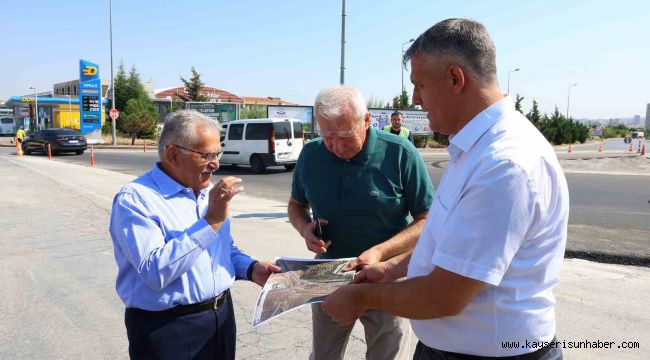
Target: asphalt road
{"x": 609, "y": 213}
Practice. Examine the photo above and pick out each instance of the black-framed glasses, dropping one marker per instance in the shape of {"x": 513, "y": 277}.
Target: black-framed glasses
{"x": 207, "y": 157}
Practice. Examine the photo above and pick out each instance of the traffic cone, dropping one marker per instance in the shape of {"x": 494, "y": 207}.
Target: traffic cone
{"x": 144, "y": 147}
{"x": 570, "y": 150}
{"x": 643, "y": 151}
{"x": 600, "y": 147}
{"x": 639, "y": 149}
{"x": 49, "y": 151}
{"x": 92, "y": 157}
{"x": 631, "y": 149}
{"x": 19, "y": 149}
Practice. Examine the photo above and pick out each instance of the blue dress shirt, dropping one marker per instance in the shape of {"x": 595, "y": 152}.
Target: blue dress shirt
{"x": 166, "y": 252}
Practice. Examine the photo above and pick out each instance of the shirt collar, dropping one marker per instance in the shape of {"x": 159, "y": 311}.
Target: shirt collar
{"x": 166, "y": 184}
{"x": 472, "y": 131}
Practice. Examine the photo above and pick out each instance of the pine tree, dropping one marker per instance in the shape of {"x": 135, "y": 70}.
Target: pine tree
{"x": 518, "y": 100}
{"x": 193, "y": 87}
{"x": 535, "y": 116}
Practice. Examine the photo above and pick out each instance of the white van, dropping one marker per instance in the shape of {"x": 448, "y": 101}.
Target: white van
{"x": 262, "y": 142}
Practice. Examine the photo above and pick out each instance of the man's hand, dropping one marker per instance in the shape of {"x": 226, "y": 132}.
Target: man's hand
{"x": 314, "y": 244}
{"x": 220, "y": 195}
{"x": 368, "y": 257}
{"x": 375, "y": 273}
{"x": 262, "y": 270}
{"x": 345, "y": 305}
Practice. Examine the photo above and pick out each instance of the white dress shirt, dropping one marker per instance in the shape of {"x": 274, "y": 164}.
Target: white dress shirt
{"x": 499, "y": 216}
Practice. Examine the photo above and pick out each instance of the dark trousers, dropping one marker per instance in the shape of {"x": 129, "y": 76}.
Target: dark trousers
{"x": 208, "y": 334}
{"x": 423, "y": 352}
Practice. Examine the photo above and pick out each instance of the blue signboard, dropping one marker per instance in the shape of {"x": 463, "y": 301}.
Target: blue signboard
{"x": 90, "y": 94}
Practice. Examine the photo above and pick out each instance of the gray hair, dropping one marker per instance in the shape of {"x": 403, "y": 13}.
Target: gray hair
{"x": 463, "y": 40}
{"x": 181, "y": 127}
{"x": 331, "y": 102}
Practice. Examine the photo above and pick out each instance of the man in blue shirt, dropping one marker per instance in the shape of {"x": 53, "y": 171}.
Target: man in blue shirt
{"x": 175, "y": 255}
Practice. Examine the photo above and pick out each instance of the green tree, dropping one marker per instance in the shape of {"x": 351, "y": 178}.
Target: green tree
{"x": 139, "y": 117}
{"x": 534, "y": 115}
{"x": 193, "y": 87}
{"x": 402, "y": 101}
{"x": 127, "y": 88}
{"x": 375, "y": 103}
{"x": 518, "y": 100}
{"x": 253, "y": 112}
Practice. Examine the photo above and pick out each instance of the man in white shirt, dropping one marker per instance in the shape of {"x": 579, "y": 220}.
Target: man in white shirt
{"x": 480, "y": 279}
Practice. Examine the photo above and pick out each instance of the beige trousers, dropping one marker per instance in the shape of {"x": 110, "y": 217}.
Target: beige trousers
{"x": 388, "y": 337}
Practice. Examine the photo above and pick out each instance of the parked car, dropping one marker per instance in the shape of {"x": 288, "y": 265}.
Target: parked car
{"x": 262, "y": 142}
{"x": 60, "y": 140}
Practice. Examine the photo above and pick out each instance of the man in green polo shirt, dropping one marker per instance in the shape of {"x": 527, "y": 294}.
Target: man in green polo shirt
{"x": 361, "y": 184}
{"x": 397, "y": 127}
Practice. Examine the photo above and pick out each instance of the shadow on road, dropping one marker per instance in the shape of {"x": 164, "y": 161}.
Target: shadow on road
{"x": 245, "y": 170}
{"x": 267, "y": 216}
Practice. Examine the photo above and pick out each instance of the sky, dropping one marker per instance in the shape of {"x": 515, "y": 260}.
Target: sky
{"x": 292, "y": 49}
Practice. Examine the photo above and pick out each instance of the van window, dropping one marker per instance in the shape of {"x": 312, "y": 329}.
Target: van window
{"x": 297, "y": 130}
{"x": 7, "y": 121}
{"x": 236, "y": 131}
{"x": 282, "y": 130}
{"x": 258, "y": 131}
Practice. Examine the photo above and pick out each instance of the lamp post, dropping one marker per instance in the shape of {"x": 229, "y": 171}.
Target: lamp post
{"x": 35, "y": 107}
{"x": 343, "y": 42}
{"x": 110, "y": 26}
{"x": 509, "y": 72}
{"x": 402, "y": 63}
{"x": 568, "y": 99}
{"x": 69, "y": 108}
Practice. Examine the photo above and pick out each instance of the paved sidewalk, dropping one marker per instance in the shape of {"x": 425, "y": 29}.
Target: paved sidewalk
{"x": 58, "y": 275}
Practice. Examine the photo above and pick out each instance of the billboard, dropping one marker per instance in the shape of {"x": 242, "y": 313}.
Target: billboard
{"x": 221, "y": 112}
{"x": 90, "y": 111}
{"x": 304, "y": 113}
{"x": 414, "y": 120}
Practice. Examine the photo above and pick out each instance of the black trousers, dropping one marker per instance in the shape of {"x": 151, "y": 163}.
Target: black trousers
{"x": 208, "y": 334}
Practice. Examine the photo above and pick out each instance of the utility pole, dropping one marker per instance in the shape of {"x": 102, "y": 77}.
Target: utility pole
{"x": 110, "y": 25}
{"x": 343, "y": 43}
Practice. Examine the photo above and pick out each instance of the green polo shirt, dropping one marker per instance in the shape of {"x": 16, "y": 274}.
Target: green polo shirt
{"x": 367, "y": 199}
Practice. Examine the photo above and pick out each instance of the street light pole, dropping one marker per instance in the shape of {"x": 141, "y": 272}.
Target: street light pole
{"x": 343, "y": 43}
{"x": 568, "y": 99}
{"x": 35, "y": 107}
{"x": 511, "y": 71}
{"x": 402, "y": 63}
{"x": 110, "y": 25}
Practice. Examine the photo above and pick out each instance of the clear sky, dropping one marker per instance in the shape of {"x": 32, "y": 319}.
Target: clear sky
{"x": 291, "y": 48}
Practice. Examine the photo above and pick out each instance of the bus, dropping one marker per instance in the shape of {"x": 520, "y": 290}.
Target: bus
{"x": 7, "y": 122}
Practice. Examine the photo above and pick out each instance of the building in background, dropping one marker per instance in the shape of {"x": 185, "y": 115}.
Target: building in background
{"x": 647, "y": 118}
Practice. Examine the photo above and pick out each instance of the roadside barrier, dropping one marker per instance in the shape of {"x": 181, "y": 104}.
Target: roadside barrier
{"x": 570, "y": 150}
{"x": 19, "y": 149}
{"x": 49, "y": 151}
{"x": 92, "y": 157}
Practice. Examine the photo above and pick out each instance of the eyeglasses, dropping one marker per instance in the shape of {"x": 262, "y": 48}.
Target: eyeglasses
{"x": 206, "y": 157}
{"x": 343, "y": 133}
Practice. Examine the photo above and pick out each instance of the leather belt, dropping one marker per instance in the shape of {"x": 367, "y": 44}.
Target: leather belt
{"x": 529, "y": 356}
{"x": 179, "y": 310}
